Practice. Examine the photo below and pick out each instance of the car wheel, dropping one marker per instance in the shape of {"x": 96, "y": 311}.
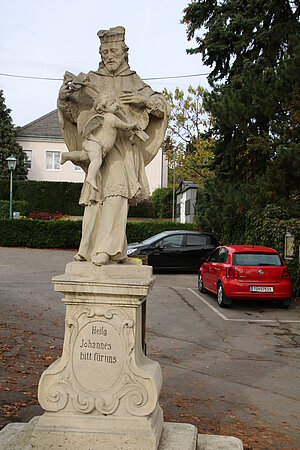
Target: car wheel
{"x": 201, "y": 288}
{"x": 221, "y": 297}
{"x": 285, "y": 304}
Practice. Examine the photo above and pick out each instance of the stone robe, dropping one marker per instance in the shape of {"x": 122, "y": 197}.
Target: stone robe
{"x": 122, "y": 179}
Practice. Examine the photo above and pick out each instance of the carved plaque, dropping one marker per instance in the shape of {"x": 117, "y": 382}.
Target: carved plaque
{"x": 98, "y": 356}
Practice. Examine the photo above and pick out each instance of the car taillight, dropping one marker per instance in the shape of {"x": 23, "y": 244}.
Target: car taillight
{"x": 285, "y": 273}
{"x": 232, "y": 272}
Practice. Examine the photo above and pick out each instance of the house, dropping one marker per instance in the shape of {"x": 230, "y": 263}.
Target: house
{"x": 43, "y": 143}
{"x": 186, "y": 196}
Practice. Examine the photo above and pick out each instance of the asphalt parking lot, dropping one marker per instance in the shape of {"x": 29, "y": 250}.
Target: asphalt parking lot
{"x": 231, "y": 371}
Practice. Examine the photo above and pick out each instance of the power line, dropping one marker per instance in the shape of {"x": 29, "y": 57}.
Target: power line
{"x": 145, "y": 79}
{"x": 177, "y": 76}
{"x": 32, "y": 78}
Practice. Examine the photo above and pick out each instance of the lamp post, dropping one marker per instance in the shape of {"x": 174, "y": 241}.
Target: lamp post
{"x": 11, "y": 162}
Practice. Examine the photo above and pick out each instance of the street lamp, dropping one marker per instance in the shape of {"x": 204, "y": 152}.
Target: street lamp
{"x": 11, "y": 162}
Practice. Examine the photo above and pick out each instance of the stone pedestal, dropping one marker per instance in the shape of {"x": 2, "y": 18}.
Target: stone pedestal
{"x": 103, "y": 392}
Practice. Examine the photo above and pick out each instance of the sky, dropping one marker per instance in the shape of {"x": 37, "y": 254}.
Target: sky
{"x": 40, "y": 38}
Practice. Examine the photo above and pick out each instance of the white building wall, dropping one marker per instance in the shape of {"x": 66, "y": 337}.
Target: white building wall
{"x": 38, "y": 169}
{"x": 156, "y": 171}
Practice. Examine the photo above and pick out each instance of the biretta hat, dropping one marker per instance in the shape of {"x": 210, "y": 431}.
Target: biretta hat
{"x": 115, "y": 34}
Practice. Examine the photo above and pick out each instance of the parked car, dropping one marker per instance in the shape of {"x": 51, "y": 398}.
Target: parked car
{"x": 179, "y": 249}
{"x": 245, "y": 272}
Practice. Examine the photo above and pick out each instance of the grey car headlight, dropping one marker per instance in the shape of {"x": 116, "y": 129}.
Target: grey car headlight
{"x": 131, "y": 250}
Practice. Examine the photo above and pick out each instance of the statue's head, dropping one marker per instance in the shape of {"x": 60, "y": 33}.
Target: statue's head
{"x": 113, "y": 49}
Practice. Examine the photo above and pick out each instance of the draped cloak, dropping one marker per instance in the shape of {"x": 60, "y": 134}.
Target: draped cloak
{"x": 123, "y": 169}
{"x": 122, "y": 178}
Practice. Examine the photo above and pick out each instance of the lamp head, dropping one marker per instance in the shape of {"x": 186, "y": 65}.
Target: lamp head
{"x": 11, "y": 162}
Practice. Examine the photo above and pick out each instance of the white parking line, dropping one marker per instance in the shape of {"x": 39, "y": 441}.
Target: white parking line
{"x": 239, "y": 320}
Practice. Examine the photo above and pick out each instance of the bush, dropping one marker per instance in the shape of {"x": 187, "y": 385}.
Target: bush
{"x": 40, "y": 233}
{"x": 45, "y": 216}
{"x": 17, "y": 205}
{"x": 46, "y": 195}
{"x": 142, "y": 210}
{"x": 162, "y": 200}
{"x": 67, "y": 233}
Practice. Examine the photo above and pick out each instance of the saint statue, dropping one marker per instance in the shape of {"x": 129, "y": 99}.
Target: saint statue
{"x": 113, "y": 125}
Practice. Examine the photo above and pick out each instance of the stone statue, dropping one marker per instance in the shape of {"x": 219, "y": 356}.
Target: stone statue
{"x": 113, "y": 124}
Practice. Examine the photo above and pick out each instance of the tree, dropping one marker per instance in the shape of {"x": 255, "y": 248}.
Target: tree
{"x": 9, "y": 145}
{"x": 253, "y": 49}
{"x": 187, "y": 148}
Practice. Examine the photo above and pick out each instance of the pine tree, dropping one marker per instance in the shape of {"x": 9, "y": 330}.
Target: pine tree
{"x": 253, "y": 49}
{"x": 9, "y": 145}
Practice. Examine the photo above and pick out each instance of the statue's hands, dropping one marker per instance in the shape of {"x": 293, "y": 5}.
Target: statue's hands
{"x": 135, "y": 98}
{"x": 132, "y": 126}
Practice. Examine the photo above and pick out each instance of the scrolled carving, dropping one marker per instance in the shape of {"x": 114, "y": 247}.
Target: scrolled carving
{"x": 56, "y": 398}
{"x": 98, "y": 369}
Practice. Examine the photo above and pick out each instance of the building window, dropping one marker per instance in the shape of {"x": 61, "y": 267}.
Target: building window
{"x": 188, "y": 207}
{"x": 52, "y": 160}
{"x": 28, "y": 159}
{"x": 177, "y": 214}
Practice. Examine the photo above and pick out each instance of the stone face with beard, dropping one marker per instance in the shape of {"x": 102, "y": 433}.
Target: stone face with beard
{"x": 112, "y": 54}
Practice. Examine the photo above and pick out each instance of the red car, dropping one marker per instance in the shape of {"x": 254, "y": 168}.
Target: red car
{"x": 245, "y": 272}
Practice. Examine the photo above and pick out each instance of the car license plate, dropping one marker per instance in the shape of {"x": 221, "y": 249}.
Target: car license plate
{"x": 261, "y": 288}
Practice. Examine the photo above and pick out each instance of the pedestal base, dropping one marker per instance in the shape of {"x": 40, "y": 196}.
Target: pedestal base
{"x": 103, "y": 391}
{"x": 77, "y": 432}
{"x": 175, "y": 436}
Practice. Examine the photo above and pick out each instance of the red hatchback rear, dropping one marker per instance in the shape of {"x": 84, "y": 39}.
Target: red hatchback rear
{"x": 245, "y": 272}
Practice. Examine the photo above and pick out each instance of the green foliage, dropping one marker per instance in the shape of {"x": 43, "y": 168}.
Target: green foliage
{"x": 67, "y": 233}
{"x": 9, "y": 145}
{"x": 188, "y": 149}
{"x": 40, "y": 233}
{"x": 254, "y": 50}
{"x": 143, "y": 209}
{"x": 161, "y": 200}
{"x": 19, "y": 205}
{"x": 46, "y": 196}
{"x": 63, "y": 197}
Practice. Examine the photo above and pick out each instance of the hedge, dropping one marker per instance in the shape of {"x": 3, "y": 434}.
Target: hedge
{"x": 17, "y": 205}
{"x": 142, "y": 210}
{"x": 40, "y": 233}
{"x": 52, "y": 197}
{"x": 67, "y": 233}
{"x": 46, "y": 195}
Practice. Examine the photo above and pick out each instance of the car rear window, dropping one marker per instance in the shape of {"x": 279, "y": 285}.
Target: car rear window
{"x": 256, "y": 259}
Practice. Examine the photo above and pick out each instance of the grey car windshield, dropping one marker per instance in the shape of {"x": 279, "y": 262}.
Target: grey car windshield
{"x": 256, "y": 259}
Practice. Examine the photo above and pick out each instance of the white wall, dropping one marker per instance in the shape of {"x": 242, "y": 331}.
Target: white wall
{"x": 157, "y": 172}
{"x": 38, "y": 169}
